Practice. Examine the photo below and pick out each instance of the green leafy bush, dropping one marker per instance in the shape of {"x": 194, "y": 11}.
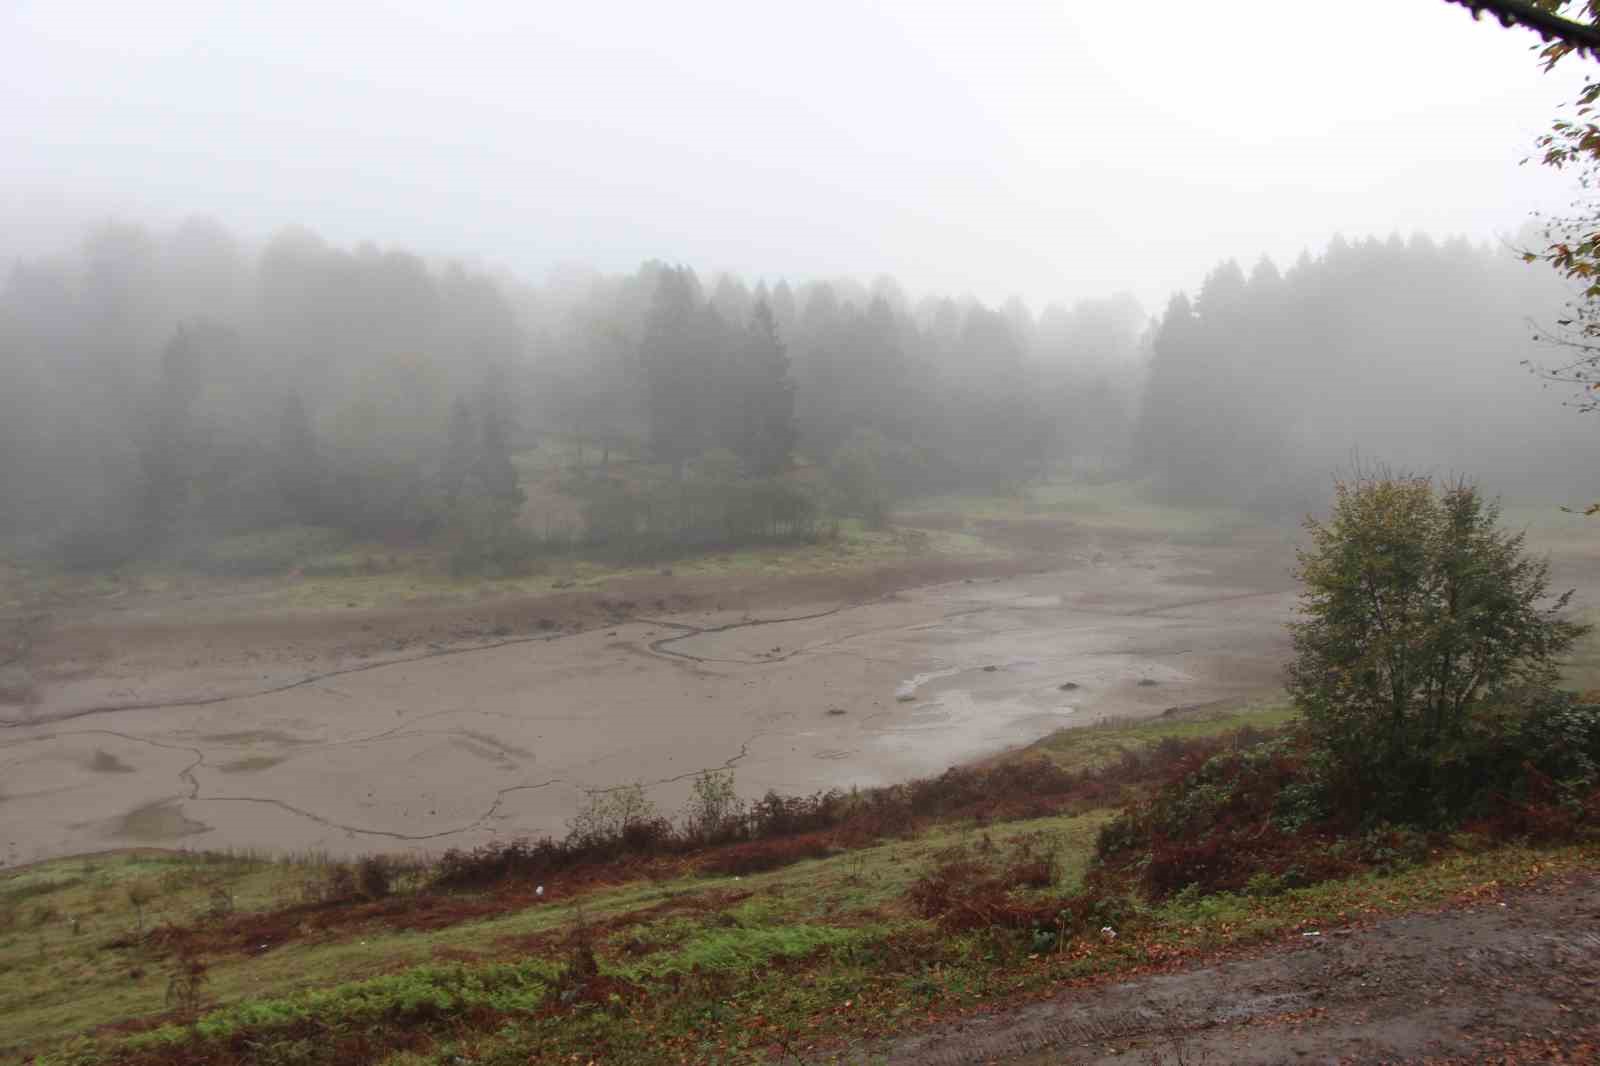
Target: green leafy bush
{"x": 269, "y": 551}
{"x": 1419, "y": 616}
{"x": 660, "y": 518}
{"x": 485, "y": 539}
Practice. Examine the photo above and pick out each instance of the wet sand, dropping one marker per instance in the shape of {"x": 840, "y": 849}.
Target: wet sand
{"x": 458, "y": 743}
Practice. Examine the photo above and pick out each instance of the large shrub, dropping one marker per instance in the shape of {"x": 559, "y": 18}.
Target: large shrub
{"x": 698, "y": 512}
{"x": 485, "y": 538}
{"x": 1418, "y": 614}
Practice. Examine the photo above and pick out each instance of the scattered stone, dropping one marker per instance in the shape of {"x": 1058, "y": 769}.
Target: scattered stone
{"x": 1148, "y": 682}
{"x": 836, "y": 710}
{"x": 106, "y": 763}
{"x": 990, "y": 669}
{"x": 1068, "y": 686}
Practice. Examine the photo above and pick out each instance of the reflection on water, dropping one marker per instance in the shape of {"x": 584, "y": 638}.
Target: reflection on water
{"x": 908, "y": 689}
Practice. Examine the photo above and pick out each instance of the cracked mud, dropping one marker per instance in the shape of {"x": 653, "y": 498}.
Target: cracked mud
{"x": 478, "y": 739}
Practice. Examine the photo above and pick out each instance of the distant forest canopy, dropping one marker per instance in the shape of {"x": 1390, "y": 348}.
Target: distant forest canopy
{"x": 1409, "y": 353}
{"x": 166, "y": 388}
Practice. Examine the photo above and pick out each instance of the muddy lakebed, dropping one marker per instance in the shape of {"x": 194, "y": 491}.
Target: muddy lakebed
{"x": 457, "y": 744}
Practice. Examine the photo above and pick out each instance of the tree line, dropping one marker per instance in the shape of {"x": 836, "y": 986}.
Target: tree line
{"x": 169, "y": 388}
{"x": 165, "y": 389}
{"x": 1404, "y": 351}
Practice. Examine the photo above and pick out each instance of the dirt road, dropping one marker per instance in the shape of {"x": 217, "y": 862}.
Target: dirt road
{"x": 1515, "y": 979}
{"x": 183, "y": 725}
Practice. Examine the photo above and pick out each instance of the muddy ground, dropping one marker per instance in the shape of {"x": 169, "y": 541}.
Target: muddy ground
{"x": 204, "y": 723}
{"x": 1511, "y": 979}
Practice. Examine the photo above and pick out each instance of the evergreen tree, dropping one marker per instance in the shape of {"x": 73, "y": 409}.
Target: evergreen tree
{"x": 783, "y": 308}
{"x": 764, "y": 433}
{"x": 675, "y": 369}
{"x": 165, "y": 450}
{"x": 494, "y": 468}
{"x": 300, "y": 470}
{"x": 461, "y": 452}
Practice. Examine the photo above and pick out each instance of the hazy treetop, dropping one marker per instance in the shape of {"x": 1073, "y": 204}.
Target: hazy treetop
{"x": 1056, "y": 151}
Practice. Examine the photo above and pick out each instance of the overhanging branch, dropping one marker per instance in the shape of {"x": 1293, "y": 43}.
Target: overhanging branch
{"x": 1548, "y": 25}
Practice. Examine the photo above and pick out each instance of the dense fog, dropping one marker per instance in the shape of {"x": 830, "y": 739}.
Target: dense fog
{"x": 1414, "y": 353}
{"x": 168, "y": 388}
{"x": 746, "y": 287}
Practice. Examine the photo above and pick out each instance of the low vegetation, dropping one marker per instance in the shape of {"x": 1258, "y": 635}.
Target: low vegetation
{"x": 790, "y": 927}
{"x": 734, "y": 932}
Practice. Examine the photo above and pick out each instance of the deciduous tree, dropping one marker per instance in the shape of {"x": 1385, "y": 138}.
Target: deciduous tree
{"x": 1418, "y": 611}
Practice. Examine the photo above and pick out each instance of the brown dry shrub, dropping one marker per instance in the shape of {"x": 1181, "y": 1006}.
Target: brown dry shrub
{"x": 976, "y": 888}
{"x": 375, "y": 877}
{"x": 760, "y": 855}
{"x": 1544, "y": 814}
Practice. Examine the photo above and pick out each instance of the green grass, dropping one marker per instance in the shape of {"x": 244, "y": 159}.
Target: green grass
{"x": 706, "y": 954}
{"x": 63, "y": 981}
{"x": 315, "y": 568}
{"x": 55, "y": 919}
{"x": 67, "y": 982}
{"x": 421, "y": 581}
{"x": 1095, "y": 746}
{"x": 702, "y": 969}
{"x": 342, "y": 574}
{"x": 727, "y": 984}
{"x": 1125, "y": 505}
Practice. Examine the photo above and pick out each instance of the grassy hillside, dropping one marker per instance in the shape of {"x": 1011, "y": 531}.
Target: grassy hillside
{"x": 176, "y": 958}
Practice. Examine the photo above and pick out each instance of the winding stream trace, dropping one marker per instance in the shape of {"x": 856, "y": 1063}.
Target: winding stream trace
{"x": 496, "y": 738}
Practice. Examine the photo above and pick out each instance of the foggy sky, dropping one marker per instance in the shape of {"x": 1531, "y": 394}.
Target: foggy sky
{"x": 1054, "y": 151}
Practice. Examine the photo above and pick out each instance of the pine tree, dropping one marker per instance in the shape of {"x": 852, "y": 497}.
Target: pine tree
{"x": 675, "y": 369}
{"x": 301, "y": 473}
{"x": 765, "y": 430}
{"x": 165, "y": 448}
{"x": 494, "y": 468}
{"x": 461, "y": 452}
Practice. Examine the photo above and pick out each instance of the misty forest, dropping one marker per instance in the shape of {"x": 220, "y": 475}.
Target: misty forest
{"x": 906, "y": 534}
{"x": 171, "y": 390}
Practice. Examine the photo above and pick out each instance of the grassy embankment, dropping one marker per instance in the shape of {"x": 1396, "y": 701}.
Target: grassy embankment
{"x": 648, "y": 962}
{"x": 1123, "y": 506}
{"x": 308, "y": 567}
{"x": 372, "y": 575}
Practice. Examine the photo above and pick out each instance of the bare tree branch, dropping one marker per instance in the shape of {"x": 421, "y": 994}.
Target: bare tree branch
{"x": 1548, "y": 25}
